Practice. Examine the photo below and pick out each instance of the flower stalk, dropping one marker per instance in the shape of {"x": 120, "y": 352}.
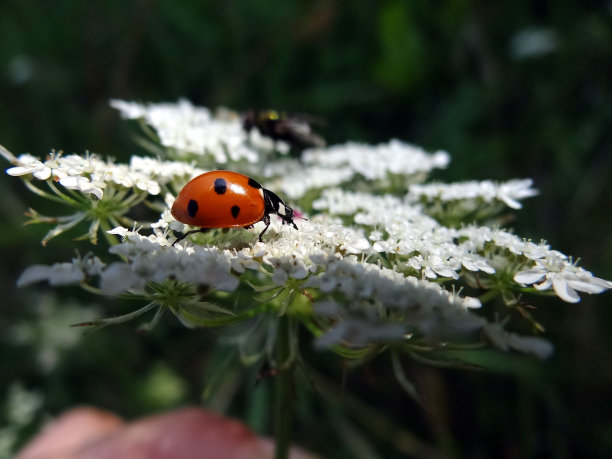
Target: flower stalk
{"x": 284, "y": 383}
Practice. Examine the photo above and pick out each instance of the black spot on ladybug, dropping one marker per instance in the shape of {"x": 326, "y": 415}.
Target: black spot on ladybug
{"x": 235, "y": 211}
{"x": 254, "y": 183}
{"x": 192, "y": 208}
{"x": 220, "y": 186}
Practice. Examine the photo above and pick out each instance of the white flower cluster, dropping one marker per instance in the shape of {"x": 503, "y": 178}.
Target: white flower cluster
{"x": 507, "y": 192}
{"x": 189, "y": 129}
{"x": 400, "y": 228}
{"x": 90, "y": 175}
{"x": 341, "y": 164}
{"x": 563, "y": 277}
{"x": 374, "y": 162}
{"x": 505, "y": 340}
{"x": 379, "y": 294}
{"x": 62, "y": 273}
{"x": 152, "y": 258}
{"x": 318, "y": 254}
{"x": 434, "y": 250}
{"x": 533, "y": 42}
{"x": 294, "y": 254}
{"x": 294, "y": 179}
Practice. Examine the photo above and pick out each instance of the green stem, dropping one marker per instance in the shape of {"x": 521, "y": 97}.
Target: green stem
{"x": 111, "y": 239}
{"x": 63, "y": 196}
{"x": 283, "y": 397}
{"x": 488, "y": 295}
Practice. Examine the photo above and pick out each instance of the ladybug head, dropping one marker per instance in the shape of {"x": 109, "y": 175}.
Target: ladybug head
{"x": 275, "y": 205}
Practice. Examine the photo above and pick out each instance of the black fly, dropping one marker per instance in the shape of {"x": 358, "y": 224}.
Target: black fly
{"x": 291, "y": 128}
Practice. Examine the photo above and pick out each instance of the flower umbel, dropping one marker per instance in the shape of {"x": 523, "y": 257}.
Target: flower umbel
{"x": 381, "y": 258}
{"x": 101, "y": 192}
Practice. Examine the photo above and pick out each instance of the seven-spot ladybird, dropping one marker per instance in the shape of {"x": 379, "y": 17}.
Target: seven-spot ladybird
{"x": 226, "y": 199}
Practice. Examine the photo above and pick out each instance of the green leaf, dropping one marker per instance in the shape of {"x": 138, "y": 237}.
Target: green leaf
{"x": 204, "y": 314}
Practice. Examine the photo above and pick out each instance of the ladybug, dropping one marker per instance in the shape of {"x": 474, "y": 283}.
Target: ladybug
{"x": 226, "y": 199}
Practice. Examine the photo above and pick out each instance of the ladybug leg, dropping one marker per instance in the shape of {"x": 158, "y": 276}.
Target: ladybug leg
{"x": 184, "y": 235}
{"x": 266, "y": 220}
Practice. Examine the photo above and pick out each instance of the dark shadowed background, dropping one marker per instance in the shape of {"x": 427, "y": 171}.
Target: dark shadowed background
{"x": 509, "y": 89}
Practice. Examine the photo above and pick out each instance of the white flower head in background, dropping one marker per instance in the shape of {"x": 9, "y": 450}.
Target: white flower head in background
{"x": 187, "y": 129}
{"x": 533, "y": 42}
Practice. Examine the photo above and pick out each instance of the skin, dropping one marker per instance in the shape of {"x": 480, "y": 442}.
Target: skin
{"x": 90, "y": 433}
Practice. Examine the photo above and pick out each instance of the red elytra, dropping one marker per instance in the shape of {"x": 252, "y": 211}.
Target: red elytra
{"x": 226, "y": 199}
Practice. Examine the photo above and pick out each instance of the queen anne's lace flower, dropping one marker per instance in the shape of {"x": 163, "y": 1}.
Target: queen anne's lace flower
{"x": 565, "y": 278}
{"x": 341, "y": 164}
{"x": 151, "y": 258}
{"x": 62, "y": 273}
{"x": 376, "y": 259}
{"x": 189, "y": 129}
{"x": 508, "y": 192}
{"x": 28, "y": 164}
{"x": 57, "y": 274}
{"x": 416, "y": 306}
{"x": 375, "y": 162}
{"x": 533, "y": 42}
{"x": 505, "y": 340}
{"x": 90, "y": 175}
{"x": 430, "y": 247}
{"x": 357, "y": 332}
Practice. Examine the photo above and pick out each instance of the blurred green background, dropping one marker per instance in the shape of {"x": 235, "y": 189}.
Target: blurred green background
{"x": 509, "y": 89}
